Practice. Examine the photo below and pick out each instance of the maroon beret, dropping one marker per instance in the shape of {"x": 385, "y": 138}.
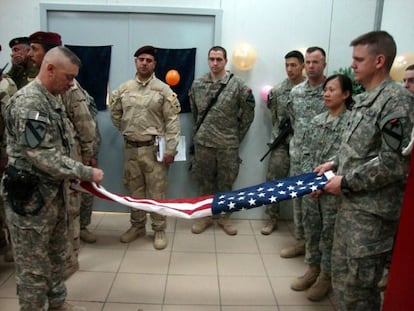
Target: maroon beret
{"x": 146, "y": 49}
{"x": 49, "y": 38}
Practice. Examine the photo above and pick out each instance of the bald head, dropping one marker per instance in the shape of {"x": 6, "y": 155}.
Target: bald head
{"x": 60, "y": 55}
{"x": 59, "y": 68}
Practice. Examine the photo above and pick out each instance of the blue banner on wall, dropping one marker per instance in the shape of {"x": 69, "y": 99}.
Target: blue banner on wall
{"x": 94, "y": 73}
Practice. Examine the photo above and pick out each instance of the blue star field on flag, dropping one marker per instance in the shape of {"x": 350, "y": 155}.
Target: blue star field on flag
{"x": 269, "y": 192}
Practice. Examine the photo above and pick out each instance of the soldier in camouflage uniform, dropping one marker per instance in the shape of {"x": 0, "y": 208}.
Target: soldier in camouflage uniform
{"x": 216, "y": 142}
{"x": 371, "y": 175}
{"x": 7, "y": 89}
{"x": 23, "y": 70}
{"x": 305, "y": 102}
{"x": 408, "y": 78}
{"x": 142, "y": 109}
{"x": 88, "y": 199}
{"x": 279, "y": 160}
{"x": 39, "y": 139}
{"x": 76, "y": 103}
{"x": 322, "y": 141}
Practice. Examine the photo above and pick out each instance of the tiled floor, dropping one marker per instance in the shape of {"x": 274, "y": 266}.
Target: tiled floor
{"x": 206, "y": 272}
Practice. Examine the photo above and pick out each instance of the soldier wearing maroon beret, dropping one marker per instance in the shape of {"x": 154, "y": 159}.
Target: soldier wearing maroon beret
{"x": 40, "y": 43}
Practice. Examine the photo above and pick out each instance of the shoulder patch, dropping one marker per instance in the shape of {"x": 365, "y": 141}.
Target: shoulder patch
{"x": 392, "y": 132}
{"x": 35, "y": 129}
{"x": 175, "y": 104}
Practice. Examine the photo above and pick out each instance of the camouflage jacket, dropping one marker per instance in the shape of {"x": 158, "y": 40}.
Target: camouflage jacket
{"x": 7, "y": 89}
{"x": 370, "y": 156}
{"x": 323, "y": 139}
{"x": 76, "y": 101}
{"x": 144, "y": 110}
{"x": 229, "y": 119}
{"x": 47, "y": 154}
{"x": 277, "y": 103}
{"x": 22, "y": 75}
{"x": 305, "y": 102}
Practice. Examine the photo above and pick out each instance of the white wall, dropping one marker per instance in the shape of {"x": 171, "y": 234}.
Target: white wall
{"x": 272, "y": 27}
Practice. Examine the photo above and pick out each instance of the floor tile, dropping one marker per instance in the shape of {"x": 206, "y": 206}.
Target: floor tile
{"x": 240, "y": 265}
{"x": 98, "y": 259}
{"x": 151, "y": 262}
{"x": 8, "y": 288}
{"x": 249, "y": 308}
{"x": 277, "y": 266}
{"x": 114, "y": 221}
{"x": 6, "y": 271}
{"x": 192, "y": 290}
{"x": 236, "y": 244}
{"x": 106, "y": 239}
{"x": 246, "y": 291}
{"x": 274, "y": 243}
{"x": 188, "y": 242}
{"x": 112, "y": 306}
{"x": 9, "y": 304}
{"x": 193, "y": 264}
{"x": 190, "y": 308}
{"x": 196, "y": 272}
{"x": 89, "y": 286}
{"x": 138, "y": 288}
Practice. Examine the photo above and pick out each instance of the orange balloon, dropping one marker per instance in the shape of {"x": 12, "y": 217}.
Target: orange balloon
{"x": 172, "y": 77}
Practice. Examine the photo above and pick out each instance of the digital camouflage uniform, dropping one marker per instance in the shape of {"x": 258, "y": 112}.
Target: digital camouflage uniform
{"x": 141, "y": 111}
{"x": 7, "y": 89}
{"x": 279, "y": 162}
{"x": 305, "y": 102}
{"x": 375, "y": 171}
{"x": 22, "y": 75}
{"x": 39, "y": 239}
{"x": 76, "y": 104}
{"x": 87, "y": 199}
{"x": 216, "y": 158}
{"x": 322, "y": 141}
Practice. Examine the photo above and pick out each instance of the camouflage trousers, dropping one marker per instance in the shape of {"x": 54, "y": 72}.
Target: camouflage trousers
{"x": 278, "y": 167}
{"x": 215, "y": 169}
{"x": 73, "y": 201}
{"x": 299, "y": 231}
{"x": 39, "y": 248}
{"x": 319, "y": 217}
{"x": 145, "y": 177}
{"x": 362, "y": 242}
{"x": 86, "y": 210}
{"x": 3, "y": 226}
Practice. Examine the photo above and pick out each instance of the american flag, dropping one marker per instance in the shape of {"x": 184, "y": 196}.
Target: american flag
{"x": 265, "y": 193}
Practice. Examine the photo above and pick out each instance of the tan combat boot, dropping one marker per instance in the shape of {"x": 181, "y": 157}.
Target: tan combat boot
{"x": 160, "y": 240}
{"x": 320, "y": 288}
{"x": 201, "y": 225}
{"x": 67, "y": 307}
{"x": 305, "y": 281}
{"x": 132, "y": 234}
{"x": 294, "y": 250}
{"x": 224, "y": 222}
{"x": 270, "y": 226}
{"x": 87, "y": 236}
{"x": 71, "y": 268}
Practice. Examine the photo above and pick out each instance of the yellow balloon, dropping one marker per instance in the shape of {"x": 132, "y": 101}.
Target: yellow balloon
{"x": 401, "y": 62}
{"x": 244, "y": 56}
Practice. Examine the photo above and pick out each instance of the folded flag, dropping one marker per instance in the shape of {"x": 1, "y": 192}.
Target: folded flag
{"x": 269, "y": 192}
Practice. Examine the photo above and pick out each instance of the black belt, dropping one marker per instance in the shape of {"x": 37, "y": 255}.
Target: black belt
{"x": 138, "y": 144}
